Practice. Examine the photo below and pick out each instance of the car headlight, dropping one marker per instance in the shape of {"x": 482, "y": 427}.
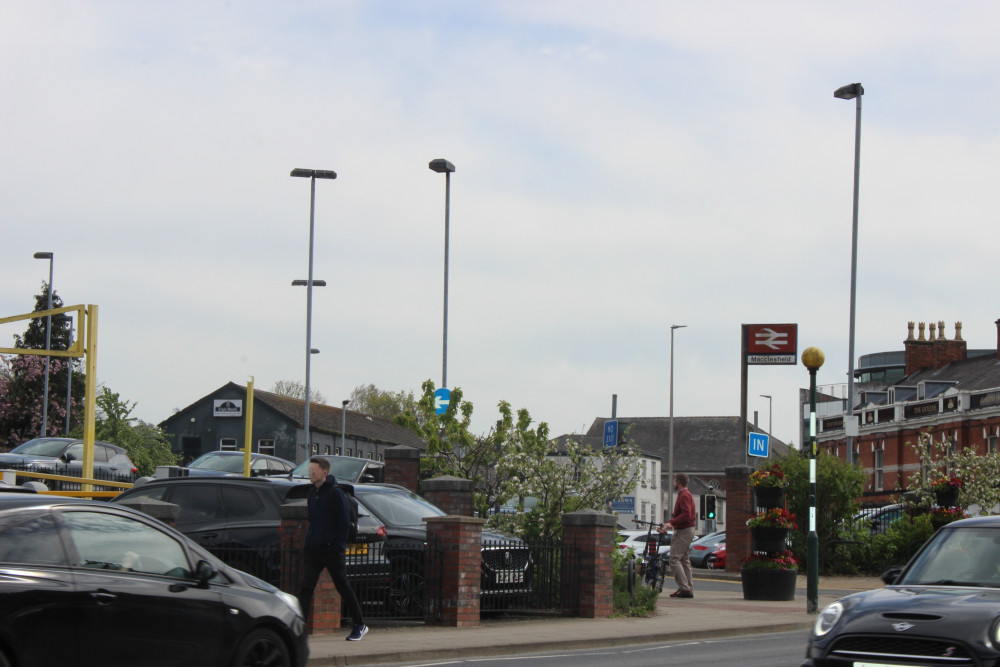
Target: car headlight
{"x": 827, "y": 619}
{"x": 291, "y": 601}
{"x": 995, "y": 632}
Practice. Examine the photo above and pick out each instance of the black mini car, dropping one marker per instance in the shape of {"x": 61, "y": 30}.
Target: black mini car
{"x": 90, "y": 583}
{"x": 943, "y": 608}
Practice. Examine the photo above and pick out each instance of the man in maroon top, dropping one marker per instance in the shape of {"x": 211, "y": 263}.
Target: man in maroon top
{"x": 682, "y": 521}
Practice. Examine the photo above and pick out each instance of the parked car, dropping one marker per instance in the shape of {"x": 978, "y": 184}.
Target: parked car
{"x": 92, "y": 584}
{"x": 214, "y": 464}
{"x": 702, "y": 548}
{"x": 637, "y": 541}
{"x": 239, "y": 519}
{"x": 506, "y": 561}
{"x": 878, "y": 519}
{"x": 65, "y": 455}
{"x": 940, "y": 609}
{"x": 717, "y": 559}
{"x": 346, "y": 469}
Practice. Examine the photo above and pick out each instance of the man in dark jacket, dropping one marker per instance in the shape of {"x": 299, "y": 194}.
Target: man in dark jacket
{"x": 682, "y": 521}
{"x": 326, "y": 543}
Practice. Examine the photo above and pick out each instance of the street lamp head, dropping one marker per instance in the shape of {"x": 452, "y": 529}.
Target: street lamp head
{"x": 441, "y": 166}
{"x": 677, "y": 326}
{"x": 345, "y": 402}
{"x": 314, "y": 173}
{"x": 305, "y": 283}
{"x": 849, "y": 92}
{"x": 767, "y": 396}
{"x": 813, "y": 358}
{"x": 43, "y": 255}
{"x": 314, "y": 351}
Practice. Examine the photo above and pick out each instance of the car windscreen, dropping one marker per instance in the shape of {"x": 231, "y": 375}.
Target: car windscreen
{"x": 965, "y": 556}
{"x": 398, "y": 508}
{"x": 41, "y": 447}
{"x": 219, "y": 462}
{"x": 344, "y": 470}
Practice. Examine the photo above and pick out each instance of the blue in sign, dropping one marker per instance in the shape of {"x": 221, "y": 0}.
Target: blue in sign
{"x": 442, "y": 397}
{"x": 611, "y": 433}
{"x": 758, "y": 444}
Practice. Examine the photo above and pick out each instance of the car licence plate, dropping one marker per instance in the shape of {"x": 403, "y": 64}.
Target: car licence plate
{"x": 356, "y": 550}
{"x": 510, "y": 577}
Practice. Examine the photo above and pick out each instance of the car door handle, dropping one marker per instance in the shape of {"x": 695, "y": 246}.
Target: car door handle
{"x": 103, "y": 597}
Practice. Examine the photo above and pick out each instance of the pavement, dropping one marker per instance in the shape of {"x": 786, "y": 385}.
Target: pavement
{"x": 710, "y": 614}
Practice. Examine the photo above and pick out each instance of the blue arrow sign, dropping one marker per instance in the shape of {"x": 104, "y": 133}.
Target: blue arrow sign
{"x": 758, "y": 444}
{"x": 442, "y": 397}
{"x": 611, "y": 433}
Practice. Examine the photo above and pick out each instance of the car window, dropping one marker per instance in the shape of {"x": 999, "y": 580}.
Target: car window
{"x": 41, "y": 447}
{"x": 398, "y": 508}
{"x": 198, "y": 502}
{"x": 106, "y": 541}
{"x": 30, "y": 539}
{"x": 958, "y": 556}
{"x": 241, "y": 503}
{"x": 150, "y": 492}
{"x": 219, "y": 462}
{"x": 76, "y": 451}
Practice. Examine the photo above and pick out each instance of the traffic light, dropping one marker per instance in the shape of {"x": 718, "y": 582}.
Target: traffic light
{"x": 710, "y": 508}
{"x": 701, "y": 507}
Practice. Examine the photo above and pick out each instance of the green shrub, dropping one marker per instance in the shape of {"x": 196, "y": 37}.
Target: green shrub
{"x": 642, "y": 600}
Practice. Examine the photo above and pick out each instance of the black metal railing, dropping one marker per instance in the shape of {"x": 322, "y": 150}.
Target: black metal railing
{"x": 62, "y": 469}
{"x": 528, "y": 578}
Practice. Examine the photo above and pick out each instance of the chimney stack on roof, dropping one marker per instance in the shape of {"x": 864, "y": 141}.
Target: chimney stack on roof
{"x": 923, "y": 354}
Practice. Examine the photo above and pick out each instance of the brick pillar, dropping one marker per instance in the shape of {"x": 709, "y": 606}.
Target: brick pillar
{"x": 452, "y": 494}
{"x": 592, "y": 535}
{"x": 402, "y": 467}
{"x": 458, "y": 541}
{"x": 326, "y": 600}
{"x": 165, "y": 512}
{"x": 739, "y": 508}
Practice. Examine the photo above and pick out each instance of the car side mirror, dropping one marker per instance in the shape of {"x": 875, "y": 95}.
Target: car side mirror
{"x": 891, "y": 575}
{"x": 203, "y": 572}
{"x": 368, "y": 478}
{"x": 67, "y": 457}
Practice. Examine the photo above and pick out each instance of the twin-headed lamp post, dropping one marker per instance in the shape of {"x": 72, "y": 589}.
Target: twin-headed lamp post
{"x": 312, "y": 175}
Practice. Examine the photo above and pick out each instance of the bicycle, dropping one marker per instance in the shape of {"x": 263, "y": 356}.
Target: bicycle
{"x": 653, "y": 568}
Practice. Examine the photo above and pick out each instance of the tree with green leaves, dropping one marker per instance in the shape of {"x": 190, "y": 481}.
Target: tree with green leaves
{"x": 147, "y": 445}
{"x": 941, "y": 459}
{"x": 370, "y": 400}
{"x": 838, "y": 486}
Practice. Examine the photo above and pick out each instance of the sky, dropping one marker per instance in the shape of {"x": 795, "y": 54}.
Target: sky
{"x": 620, "y": 168}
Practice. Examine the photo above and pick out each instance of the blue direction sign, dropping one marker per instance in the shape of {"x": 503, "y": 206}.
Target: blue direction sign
{"x": 611, "y": 433}
{"x": 758, "y": 444}
{"x": 442, "y": 397}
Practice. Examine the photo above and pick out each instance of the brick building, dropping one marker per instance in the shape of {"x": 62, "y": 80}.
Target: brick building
{"x": 946, "y": 392}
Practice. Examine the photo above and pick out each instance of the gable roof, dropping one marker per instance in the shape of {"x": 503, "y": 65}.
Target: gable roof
{"x": 701, "y": 444}
{"x": 323, "y": 418}
{"x": 972, "y": 374}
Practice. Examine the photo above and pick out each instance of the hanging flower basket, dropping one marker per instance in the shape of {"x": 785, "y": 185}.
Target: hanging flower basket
{"x": 769, "y": 496}
{"x": 768, "y": 584}
{"x": 947, "y": 498}
{"x": 946, "y": 491}
{"x": 768, "y": 539}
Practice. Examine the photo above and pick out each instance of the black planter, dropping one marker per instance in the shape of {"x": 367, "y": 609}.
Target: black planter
{"x": 769, "y": 540}
{"x": 769, "y": 496}
{"x": 947, "y": 498}
{"x": 768, "y": 584}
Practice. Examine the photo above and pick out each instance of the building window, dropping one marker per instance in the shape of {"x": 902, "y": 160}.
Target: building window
{"x": 652, "y": 478}
{"x": 227, "y": 444}
{"x": 643, "y": 515}
{"x": 350, "y": 452}
{"x": 380, "y": 458}
{"x": 643, "y": 464}
{"x": 993, "y": 444}
{"x": 266, "y": 447}
{"x": 315, "y": 448}
{"x": 338, "y": 451}
{"x": 879, "y": 473}
{"x": 369, "y": 456}
{"x": 652, "y": 512}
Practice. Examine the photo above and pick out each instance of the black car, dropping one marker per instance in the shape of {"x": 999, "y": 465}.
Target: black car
{"x": 90, "y": 583}
{"x": 506, "y": 561}
{"x": 942, "y": 608}
{"x": 238, "y": 519}
{"x": 65, "y": 456}
{"x": 216, "y": 464}
{"x": 346, "y": 469}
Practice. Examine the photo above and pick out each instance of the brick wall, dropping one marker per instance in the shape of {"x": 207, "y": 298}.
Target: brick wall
{"x": 326, "y": 600}
{"x": 592, "y": 534}
{"x": 739, "y": 507}
{"x": 458, "y": 538}
{"x": 402, "y": 467}
{"x": 451, "y": 494}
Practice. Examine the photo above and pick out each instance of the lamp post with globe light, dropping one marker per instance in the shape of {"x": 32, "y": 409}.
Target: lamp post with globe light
{"x": 812, "y": 358}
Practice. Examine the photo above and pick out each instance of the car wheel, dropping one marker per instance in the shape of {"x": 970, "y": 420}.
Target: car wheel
{"x": 262, "y": 648}
{"x": 406, "y": 591}
{"x": 710, "y": 561}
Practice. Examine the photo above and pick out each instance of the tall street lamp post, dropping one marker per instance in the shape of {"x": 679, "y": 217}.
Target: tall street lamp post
{"x": 770, "y": 413}
{"x": 853, "y": 91}
{"x": 670, "y": 456}
{"x": 312, "y": 175}
{"x": 48, "y": 343}
{"x": 812, "y": 358}
{"x": 442, "y": 166}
